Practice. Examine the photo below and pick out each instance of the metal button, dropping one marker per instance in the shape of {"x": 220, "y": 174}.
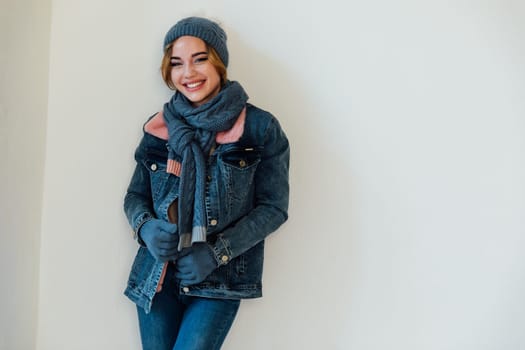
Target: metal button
{"x": 153, "y": 167}
{"x": 242, "y": 163}
{"x": 225, "y": 258}
{"x": 213, "y": 222}
{"x": 185, "y": 289}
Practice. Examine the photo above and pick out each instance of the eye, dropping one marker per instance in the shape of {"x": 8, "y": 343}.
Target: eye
{"x": 201, "y": 59}
{"x": 175, "y": 63}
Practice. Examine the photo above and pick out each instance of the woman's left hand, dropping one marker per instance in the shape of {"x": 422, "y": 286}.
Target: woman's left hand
{"x": 195, "y": 264}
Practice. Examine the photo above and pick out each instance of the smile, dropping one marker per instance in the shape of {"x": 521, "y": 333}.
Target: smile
{"x": 194, "y": 85}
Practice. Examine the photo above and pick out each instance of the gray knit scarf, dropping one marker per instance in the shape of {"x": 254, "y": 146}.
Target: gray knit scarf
{"x": 191, "y": 134}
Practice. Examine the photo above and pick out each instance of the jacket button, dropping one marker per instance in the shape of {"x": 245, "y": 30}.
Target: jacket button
{"x": 242, "y": 163}
{"x": 185, "y": 289}
{"x": 153, "y": 167}
{"x": 225, "y": 258}
{"x": 213, "y": 222}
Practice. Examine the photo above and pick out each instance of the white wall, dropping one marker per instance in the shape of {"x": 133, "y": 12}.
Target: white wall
{"x": 24, "y": 60}
{"x": 406, "y": 123}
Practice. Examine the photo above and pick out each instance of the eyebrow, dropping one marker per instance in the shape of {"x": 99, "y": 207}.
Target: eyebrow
{"x": 195, "y": 54}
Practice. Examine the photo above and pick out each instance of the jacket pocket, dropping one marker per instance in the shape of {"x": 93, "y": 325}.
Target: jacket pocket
{"x": 161, "y": 181}
{"x": 238, "y": 167}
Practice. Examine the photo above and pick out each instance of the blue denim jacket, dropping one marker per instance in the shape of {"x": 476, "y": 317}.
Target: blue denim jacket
{"x": 246, "y": 200}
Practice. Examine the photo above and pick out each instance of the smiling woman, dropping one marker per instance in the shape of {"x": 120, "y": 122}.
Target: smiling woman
{"x": 208, "y": 55}
{"x": 192, "y": 73}
{"x": 210, "y": 184}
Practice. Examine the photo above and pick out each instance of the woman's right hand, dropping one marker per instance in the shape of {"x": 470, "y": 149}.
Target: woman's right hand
{"x": 161, "y": 239}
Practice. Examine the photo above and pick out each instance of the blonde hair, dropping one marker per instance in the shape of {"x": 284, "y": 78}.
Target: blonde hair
{"x": 213, "y": 57}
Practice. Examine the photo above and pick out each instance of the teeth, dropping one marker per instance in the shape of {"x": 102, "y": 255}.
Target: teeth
{"x": 193, "y": 85}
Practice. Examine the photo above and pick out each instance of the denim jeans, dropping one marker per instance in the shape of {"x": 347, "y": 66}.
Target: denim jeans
{"x": 182, "y": 322}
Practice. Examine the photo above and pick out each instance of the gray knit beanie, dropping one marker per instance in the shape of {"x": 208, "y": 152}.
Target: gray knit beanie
{"x": 202, "y": 28}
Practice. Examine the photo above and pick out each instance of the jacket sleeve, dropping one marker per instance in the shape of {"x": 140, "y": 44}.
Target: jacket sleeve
{"x": 138, "y": 205}
{"x": 271, "y": 199}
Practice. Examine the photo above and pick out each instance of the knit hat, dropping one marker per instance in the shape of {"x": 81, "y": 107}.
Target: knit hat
{"x": 202, "y": 28}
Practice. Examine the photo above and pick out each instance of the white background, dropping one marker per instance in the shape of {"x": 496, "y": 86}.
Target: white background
{"x": 406, "y": 121}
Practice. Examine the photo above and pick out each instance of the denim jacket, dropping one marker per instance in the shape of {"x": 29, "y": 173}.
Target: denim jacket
{"x": 246, "y": 200}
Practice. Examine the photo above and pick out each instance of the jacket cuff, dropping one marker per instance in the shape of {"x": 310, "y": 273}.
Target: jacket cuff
{"x": 143, "y": 218}
{"x": 221, "y": 251}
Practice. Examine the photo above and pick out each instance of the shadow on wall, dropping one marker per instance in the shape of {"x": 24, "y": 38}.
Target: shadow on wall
{"x": 316, "y": 246}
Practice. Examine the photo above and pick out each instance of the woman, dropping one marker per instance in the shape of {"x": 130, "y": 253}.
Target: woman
{"x": 210, "y": 184}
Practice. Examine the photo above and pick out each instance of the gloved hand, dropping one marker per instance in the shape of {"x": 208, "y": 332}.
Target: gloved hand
{"x": 195, "y": 264}
{"x": 161, "y": 239}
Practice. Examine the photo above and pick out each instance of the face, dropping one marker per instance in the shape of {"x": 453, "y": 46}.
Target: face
{"x": 191, "y": 71}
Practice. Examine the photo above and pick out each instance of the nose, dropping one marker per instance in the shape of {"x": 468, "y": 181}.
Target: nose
{"x": 189, "y": 69}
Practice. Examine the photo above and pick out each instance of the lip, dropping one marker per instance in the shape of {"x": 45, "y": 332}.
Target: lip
{"x": 194, "y": 85}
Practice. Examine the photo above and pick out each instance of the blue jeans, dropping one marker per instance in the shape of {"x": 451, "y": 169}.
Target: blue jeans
{"x": 180, "y": 322}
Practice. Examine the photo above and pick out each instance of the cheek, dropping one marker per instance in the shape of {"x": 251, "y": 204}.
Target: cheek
{"x": 174, "y": 75}
{"x": 215, "y": 79}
